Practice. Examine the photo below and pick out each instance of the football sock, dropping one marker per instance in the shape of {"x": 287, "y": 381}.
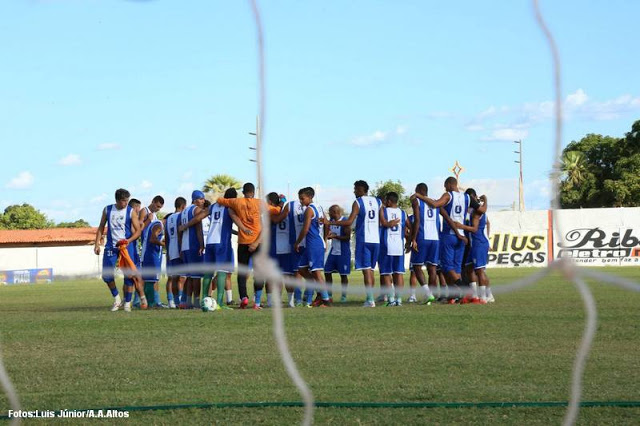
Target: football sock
{"x": 229, "y": 294}
{"x": 489, "y": 294}
{"x": 156, "y": 298}
{"x": 220, "y": 280}
{"x": 325, "y": 295}
{"x": 148, "y": 290}
{"x": 127, "y": 296}
{"x": 206, "y": 285}
{"x": 196, "y": 302}
{"x": 297, "y": 294}
{"x": 308, "y": 296}
{"x": 413, "y": 292}
{"x": 269, "y": 296}
{"x": 136, "y": 298}
{"x": 474, "y": 289}
{"x": 427, "y": 291}
{"x": 258, "y": 296}
{"x": 290, "y": 297}
{"x": 143, "y": 301}
{"x": 181, "y": 298}
{"x": 114, "y": 292}
{"x": 344, "y": 290}
{"x": 169, "y": 297}
{"x": 483, "y": 292}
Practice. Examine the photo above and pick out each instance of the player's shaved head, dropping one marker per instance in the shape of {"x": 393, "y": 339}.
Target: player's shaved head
{"x": 207, "y": 203}
{"x": 451, "y": 184}
{"x": 180, "y": 202}
{"x": 422, "y": 188}
{"x": 248, "y": 189}
{"x": 158, "y": 199}
{"x": 231, "y": 193}
{"x": 392, "y": 197}
{"x": 335, "y": 208}
{"x": 134, "y": 202}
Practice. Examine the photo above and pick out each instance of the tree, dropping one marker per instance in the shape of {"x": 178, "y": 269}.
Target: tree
{"x": 602, "y": 171}
{"x": 383, "y": 188}
{"x": 217, "y": 184}
{"x": 80, "y": 223}
{"x": 24, "y": 216}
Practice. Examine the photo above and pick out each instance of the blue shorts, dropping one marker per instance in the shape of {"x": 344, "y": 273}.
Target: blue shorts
{"x": 428, "y": 253}
{"x": 109, "y": 260}
{"x": 218, "y": 254}
{"x": 192, "y": 258}
{"x": 285, "y": 263}
{"x": 340, "y": 263}
{"x": 366, "y": 255}
{"x": 452, "y": 251}
{"x": 313, "y": 258}
{"x": 391, "y": 264}
{"x": 479, "y": 255}
{"x": 151, "y": 270}
{"x": 174, "y": 268}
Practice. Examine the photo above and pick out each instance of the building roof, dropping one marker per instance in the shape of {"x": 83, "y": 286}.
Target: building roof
{"x": 49, "y": 236}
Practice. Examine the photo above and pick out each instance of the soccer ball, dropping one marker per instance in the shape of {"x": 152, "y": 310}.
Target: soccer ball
{"x": 208, "y": 304}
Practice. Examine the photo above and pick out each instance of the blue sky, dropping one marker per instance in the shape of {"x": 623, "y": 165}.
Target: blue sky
{"x": 155, "y": 96}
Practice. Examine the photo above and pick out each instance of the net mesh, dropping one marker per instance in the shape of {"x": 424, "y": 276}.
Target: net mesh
{"x": 264, "y": 268}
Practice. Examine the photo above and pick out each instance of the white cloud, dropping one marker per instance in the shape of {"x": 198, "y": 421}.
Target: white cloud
{"x": 24, "y": 180}
{"x": 506, "y": 134}
{"x": 379, "y": 136}
{"x": 108, "y": 146}
{"x": 145, "y": 184}
{"x": 187, "y": 175}
{"x": 579, "y": 97}
{"x": 186, "y": 188}
{"x": 98, "y": 199}
{"x": 374, "y": 138}
{"x": 190, "y": 147}
{"x": 576, "y": 105}
{"x": 70, "y": 160}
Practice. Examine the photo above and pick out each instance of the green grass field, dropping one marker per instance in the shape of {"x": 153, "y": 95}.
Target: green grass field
{"x": 64, "y": 350}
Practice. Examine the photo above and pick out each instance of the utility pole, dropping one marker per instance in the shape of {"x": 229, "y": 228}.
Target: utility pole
{"x": 258, "y": 153}
{"x": 520, "y": 181}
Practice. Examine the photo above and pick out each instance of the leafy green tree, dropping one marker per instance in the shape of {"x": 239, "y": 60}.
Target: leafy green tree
{"x": 217, "y": 184}
{"x": 383, "y": 188}
{"x": 602, "y": 171}
{"x": 80, "y": 223}
{"x": 24, "y": 216}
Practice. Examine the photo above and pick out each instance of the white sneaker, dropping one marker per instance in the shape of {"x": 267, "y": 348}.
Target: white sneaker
{"x": 127, "y": 306}
{"x": 172, "y": 305}
{"x": 116, "y": 305}
{"x": 369, "y": 304}
{"x": 292, "y": 304}
{"x": 490, "y": 299}
{"x": 412, "y": 299}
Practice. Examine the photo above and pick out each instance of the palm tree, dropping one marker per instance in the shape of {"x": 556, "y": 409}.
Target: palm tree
{"x": 574, "y": 166}
{"x": 215, "y": 186}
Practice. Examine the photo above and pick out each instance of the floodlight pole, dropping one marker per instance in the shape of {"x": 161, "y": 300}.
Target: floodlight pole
{"x": 520, "y": 181}
{"x": 256, "y": 148}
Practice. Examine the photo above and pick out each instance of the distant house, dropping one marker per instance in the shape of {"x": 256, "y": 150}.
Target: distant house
{"x": 68, "y": 251}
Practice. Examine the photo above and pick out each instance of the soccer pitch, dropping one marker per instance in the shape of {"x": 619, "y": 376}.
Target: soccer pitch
{"x": 64, "y": 349}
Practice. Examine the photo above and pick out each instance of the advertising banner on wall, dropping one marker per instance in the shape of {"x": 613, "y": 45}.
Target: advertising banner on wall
{"x": 26, "y": 276}
{"x": 599, "y": 237}
{"x": 518, "y": 239}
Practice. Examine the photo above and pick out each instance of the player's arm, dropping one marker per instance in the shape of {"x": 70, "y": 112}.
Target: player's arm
{"x": 198, "y": 215}
{"x": 383, "y": 220}
{"x": 200, "y": 236}
{"x": 482, "y": 208}
{"x": 440, "y": 202}
{"x": 155, "y": 234}
{"x": 137, "y": 229}
{"x": 254, "y": 245}
{"x": 236, "y": 219}
{"x": 166, "y": 229}
{"x": 280, "y": 216}
{"x": 451, "y": 224}
{"x": 488, "y": 228}
{"x": 144, "y": 218}
{"x": 475, "y": 223}
{"x": 99, "y": 231}
{"x": 416, "y": 224}
{"x": 355, "y": 209}
{"x": 308, "y": 215}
